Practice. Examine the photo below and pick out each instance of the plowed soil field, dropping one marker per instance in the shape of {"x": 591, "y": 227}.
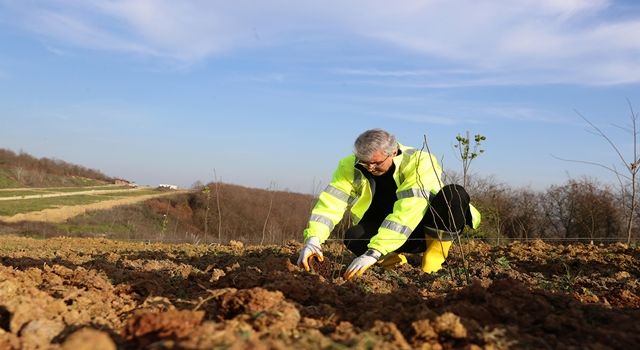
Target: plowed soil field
{"x": 68, "y": 293}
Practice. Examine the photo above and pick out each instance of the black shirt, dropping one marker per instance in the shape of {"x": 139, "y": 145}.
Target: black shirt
{"x": 384, "y": 195}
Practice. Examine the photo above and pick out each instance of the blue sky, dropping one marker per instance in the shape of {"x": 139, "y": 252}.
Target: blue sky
{"x": 276, "y": 91}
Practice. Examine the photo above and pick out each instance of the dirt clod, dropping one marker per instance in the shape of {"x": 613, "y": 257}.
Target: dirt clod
{"x": 88, "y": 339}
{"x": 146, "y": 328}
{"x": 40, "y": 332}
{"x": 448, "y": 324}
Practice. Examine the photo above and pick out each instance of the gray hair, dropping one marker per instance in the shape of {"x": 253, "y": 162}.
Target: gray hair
{"x": 372, "y": 141}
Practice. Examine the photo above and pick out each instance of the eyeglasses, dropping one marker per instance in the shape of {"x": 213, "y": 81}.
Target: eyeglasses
{"x": 373, "y": 164}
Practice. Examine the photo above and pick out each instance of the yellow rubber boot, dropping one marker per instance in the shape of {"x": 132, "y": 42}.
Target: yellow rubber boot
{"x": 392, "y": 260}
{"x": 436, "y": 253}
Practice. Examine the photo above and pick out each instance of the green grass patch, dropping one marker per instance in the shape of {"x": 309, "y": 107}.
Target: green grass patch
{"x": 72, "y": 181}
{"x": 15, "y": 193}
{"x": 6, "y": 180}
{"x": 83, "y": 181}
{"x": 51, "y": 190}
{"x": 133, "y": 193}
{"x": 85, "y": 188}
{"x": 13, "y": 207}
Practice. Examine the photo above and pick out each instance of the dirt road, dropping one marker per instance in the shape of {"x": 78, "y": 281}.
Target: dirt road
{"x": 62, "y": 194}
{"x": 65, "y": 212}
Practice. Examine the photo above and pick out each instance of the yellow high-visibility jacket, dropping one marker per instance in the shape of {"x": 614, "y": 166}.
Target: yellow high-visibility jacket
{"x": 417, "y": 176}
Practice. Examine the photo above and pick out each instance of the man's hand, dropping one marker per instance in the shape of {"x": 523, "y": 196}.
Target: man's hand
{"x": 311, "y": 249}
{"x": 360, "y": 264}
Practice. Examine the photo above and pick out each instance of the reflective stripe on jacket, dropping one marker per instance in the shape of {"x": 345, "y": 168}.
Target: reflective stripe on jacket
{"x": 417, "y": 175}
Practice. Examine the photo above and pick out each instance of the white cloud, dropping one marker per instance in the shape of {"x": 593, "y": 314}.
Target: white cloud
{"x": 423, "y": 118}
{"x": 57, "y": 51}
{"x": 569, "y": 42}
{"x": 402, "y": 73}
{"x": 178, "y": 29}
{"x": 544, "y": 41}
{"x": 81, "y": 32}
{"x": 523, "y": 114}
{"x": 468, "y": 113}
{"x": 456, "y": 79}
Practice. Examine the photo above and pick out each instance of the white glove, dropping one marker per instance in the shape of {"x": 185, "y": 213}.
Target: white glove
{"x": 311, "y": 248}
{"x": 360, "y": 264}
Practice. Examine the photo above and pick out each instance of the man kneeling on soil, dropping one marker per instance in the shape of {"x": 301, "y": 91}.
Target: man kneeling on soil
{"x": 398, "y": 205}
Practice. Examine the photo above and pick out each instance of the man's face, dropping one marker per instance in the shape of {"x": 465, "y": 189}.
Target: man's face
{"x": 379, "y": 163}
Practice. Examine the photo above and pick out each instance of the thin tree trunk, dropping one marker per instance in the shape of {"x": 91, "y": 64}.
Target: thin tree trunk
{"x": 264, "y": 227}
{"x": 217, "y": 185}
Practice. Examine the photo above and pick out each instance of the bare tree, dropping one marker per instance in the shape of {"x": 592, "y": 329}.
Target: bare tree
{"x": 580, "y": 208}
{"x": 271, "y": 189}
{"x": 217, "y": 188}
{"x": 632, "y": 166}
{"x": 207, "y": 196}
{"x": 19, "y": 171}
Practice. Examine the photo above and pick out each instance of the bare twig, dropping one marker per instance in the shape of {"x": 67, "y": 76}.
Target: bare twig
{"x": 613, "y": 170}
{"x": 604, "y": 136}
{"x": 207, "y": 192}
{"x": 217, "y": 187}
{"x": 266, "y": 220}
{"x": 425, "y": 144}
{"x": 631, "y": 166}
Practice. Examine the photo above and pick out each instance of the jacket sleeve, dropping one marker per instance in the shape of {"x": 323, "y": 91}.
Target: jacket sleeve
{"x": 420, "y": 178}
{"x": 332, "y": 202}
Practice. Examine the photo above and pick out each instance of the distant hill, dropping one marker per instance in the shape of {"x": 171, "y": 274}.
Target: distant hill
{"x": 23, "y": 170}
{"x": 216, "y": 212}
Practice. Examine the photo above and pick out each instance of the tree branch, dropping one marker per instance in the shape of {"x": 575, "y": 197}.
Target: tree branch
{"x": 593, "y": 163}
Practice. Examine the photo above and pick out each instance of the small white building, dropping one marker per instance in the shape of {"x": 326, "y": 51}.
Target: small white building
{"x": 168, "y": 187}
